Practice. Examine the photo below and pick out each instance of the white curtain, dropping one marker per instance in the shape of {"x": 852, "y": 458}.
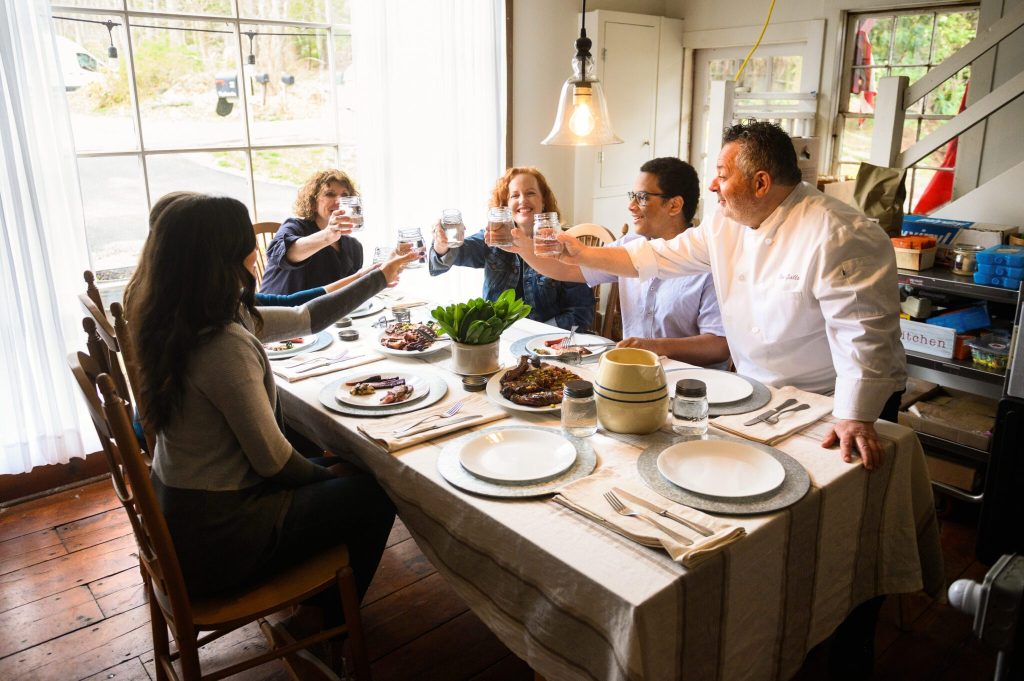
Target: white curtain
{"x": 430, "y": 115}
{"x": 42, "y": 248}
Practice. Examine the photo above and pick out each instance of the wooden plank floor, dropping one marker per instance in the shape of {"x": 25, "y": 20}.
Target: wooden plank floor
{"x": 72, "y": 608}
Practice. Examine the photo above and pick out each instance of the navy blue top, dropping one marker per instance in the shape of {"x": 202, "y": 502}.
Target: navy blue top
{"x": 289, "y": 300}
{"x": 566, "y": 302}
{"x": 319, "y": 269}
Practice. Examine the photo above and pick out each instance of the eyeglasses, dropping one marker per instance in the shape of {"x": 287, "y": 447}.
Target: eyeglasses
{"x": 641, "y": 197}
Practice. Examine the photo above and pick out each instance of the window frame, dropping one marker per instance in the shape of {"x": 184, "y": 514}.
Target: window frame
{"x": 234, "y": 23}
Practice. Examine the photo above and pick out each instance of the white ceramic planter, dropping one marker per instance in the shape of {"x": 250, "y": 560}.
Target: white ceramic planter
{"x": 474, "y": 359}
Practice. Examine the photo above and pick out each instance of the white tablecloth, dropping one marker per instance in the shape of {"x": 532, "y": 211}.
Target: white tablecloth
{"x": 576, "y": 601}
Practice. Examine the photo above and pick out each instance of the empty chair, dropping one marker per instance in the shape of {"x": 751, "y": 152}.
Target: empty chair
{"x": 265, "y": 232}
{"x": 607, "y": 315}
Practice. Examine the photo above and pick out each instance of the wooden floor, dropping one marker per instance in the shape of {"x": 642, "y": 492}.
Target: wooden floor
{"x": 72, "y": 607}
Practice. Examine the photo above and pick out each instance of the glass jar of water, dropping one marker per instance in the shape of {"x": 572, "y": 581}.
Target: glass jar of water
{"x": 499, "y": 227}
{"x": 545, "y": 231}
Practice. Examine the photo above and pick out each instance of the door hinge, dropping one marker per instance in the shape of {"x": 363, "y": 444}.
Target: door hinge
{"x": 604, "y": 53}
{"x": 600, "y": 157}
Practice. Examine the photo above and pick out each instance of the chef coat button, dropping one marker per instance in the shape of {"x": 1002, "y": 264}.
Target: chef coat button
{"x": 768, "y": 242}
{"x": 742, "y": 277}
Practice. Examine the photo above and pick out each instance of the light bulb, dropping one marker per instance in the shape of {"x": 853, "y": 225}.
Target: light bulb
{"x": 582, "y": 120}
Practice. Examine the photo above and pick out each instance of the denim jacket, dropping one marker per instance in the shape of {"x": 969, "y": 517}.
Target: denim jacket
{"x": 564, "y": 302}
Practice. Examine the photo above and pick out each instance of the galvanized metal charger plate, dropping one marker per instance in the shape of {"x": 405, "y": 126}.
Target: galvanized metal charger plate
{"x": 438, "y": 389}
{"x": 792, "y": 490}
{"x": 451, "y": 469}
{"x": 518, "y": 349}
{"x": 760, "y": 397}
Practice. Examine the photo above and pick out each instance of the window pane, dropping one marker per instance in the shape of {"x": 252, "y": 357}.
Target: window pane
{"x": 873, "y": 40}
{"x": 953, "y": 31}
{"x": 92, "y": 4}
{"x": 863, "y": 88}
{"x": 345, "y": 89}
{"x": 913, "y": 39}
{"x": 917, "y": 182}
{"x": 341, "y": 11}
{"x": 785, "y": 74}
{"x": 176, "y": 72}
{"x": 102, "y": 115}
{"x": 290, "y": 94}
{"x": 221, "y": 8}
{"x": 221, "y": 173}
{"x": 114, "y": 200}
{"x": 311, "y": 10}
{"x": 945, "y": 99}
{"x": 280, "y": 172}
{"x": 914, "y": 73}
{"x": 856, "y": 139}
{"x": 935, "y": 158}
{"x": 910, "y": 133}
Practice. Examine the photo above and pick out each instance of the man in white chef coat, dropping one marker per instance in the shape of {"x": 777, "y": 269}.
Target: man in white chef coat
{"x": 806, "y": 284}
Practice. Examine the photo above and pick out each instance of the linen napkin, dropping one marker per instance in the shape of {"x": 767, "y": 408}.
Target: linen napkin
{"x": 586, "y": 497}
{"x": 789, "y": 423}
{"x": 478, "y": 406}
{"x": 291, "y": 372}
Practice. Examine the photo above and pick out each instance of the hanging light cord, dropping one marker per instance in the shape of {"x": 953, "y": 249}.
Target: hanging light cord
{"x": 752, "y": 49}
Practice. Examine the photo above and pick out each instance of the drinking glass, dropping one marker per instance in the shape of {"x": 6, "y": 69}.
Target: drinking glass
{"x": 353, "y": 208}
{"x": 413, "y": 238}
{"x": 545, "y": 228}
{"x": 499, "y": 227}
{"x": 451, "y": 221}
{"x": 381, "y": 254}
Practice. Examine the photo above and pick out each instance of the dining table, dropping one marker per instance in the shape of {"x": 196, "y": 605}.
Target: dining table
{"x": 576, "y": 600}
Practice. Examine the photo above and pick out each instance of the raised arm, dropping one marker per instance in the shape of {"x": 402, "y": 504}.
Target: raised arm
{"x": 549, "y": 267}
{"x": 612, "y": 259}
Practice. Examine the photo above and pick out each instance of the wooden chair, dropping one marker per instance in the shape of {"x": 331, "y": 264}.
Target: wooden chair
{"x": 169, "y": 603}
{"x": 606, "y": 296}
{"x": 101, "y": 337}
{"x": 265, "y": 232}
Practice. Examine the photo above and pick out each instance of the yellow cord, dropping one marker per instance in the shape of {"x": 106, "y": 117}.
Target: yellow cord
{"x": 751, "y": 53}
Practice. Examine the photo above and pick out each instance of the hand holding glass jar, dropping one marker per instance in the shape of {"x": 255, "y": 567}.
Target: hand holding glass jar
{"x": 412, "y": 238}
{"x": 545, "y": 231}
{"x": 499, "y": 227}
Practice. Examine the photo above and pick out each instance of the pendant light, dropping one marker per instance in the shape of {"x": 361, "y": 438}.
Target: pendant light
{"x": 582, "y": 118}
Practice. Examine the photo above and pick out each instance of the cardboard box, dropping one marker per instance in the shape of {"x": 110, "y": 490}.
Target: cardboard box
{"x": 807, "y": 157}
{"x": 951, "y": 233}
{"x": 952, "y": 473}
{"x": 953, "y": 415}
{"x": 927, "y": 338}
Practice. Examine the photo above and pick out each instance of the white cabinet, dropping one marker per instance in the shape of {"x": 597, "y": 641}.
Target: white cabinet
{"x": 639, "y": 61}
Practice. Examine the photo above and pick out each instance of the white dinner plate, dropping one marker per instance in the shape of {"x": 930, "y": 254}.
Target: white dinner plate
{"x": 721, "y": 468}
{"x": 723, "y": 386}
{"x": 517, "y": 455}
{"x": 419, "y": 390}
{"x": 494, "y": 393}
{"x": 536, "y": 345}
{"x": 440, "y": 344}
{"x": 306, "y": 343}
{"x": 371, "y": 306}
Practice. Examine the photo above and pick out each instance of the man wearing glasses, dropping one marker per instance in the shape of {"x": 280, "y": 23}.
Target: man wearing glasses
{"x": 676, "y": 317}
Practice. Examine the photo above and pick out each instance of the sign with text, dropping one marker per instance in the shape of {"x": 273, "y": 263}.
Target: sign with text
{"x": 927, "y": 338}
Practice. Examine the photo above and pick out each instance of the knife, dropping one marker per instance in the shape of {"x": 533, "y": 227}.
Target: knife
{"x": 640, "y": 501}
{"x": 327, "y": 362}
{"x": 444, "y": 424}
{"x": 770, "y": 412}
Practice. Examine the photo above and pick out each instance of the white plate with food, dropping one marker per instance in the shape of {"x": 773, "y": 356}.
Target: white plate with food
{"x": 382, "y": 389}
{"x": 723, "y": 386}
{"x": 585, "y": 344}
{"x": 412, "y": 339}
{"x": 721, "y": 468}
{"x": 525, "y": 387}
{"x": 517, "y": 455}
{"x": 371, "y": 306}
{"x": 294, "y": 346}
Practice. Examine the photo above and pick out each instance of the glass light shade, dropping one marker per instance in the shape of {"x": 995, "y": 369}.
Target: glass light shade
{"x": 582, "y": 118}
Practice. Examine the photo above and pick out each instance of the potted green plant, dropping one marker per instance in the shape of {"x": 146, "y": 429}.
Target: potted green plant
{"x": 475, "y": 327}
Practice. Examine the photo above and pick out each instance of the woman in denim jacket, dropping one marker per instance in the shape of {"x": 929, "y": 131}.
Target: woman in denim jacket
{"x": 525, "y": 192}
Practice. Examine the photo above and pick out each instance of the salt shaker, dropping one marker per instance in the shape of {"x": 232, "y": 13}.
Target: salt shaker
{"x": 690, "y": 408}
{"x": 579, "y": 410}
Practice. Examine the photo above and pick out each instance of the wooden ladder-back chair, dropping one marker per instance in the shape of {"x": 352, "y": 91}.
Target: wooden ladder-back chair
{"x": 265, "y": 232}
{"x": 189, "y": 617}
{"x": 127, "y": 345}
{"x": 606, "y": 296}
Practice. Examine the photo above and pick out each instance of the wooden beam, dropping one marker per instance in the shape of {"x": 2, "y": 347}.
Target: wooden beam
{"x": 889, "y": 116}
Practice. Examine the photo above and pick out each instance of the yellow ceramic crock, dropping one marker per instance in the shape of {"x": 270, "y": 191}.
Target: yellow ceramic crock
{"x": 631, "y": 391}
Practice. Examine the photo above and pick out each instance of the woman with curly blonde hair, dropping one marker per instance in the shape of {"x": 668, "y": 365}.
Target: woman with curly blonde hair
{"x": 526, "y": 192}
{"x": 313, "y": 248}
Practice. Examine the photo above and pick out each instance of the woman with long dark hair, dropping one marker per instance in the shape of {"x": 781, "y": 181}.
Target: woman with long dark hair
{"x": 239, "y": 500}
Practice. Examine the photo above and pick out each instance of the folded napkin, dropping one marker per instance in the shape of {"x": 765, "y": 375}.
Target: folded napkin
{"x": 789, "y": 423}
{"x": 291, "y": 372}
{"x": 478, "y": 406}
{"x": 586, "y": 497}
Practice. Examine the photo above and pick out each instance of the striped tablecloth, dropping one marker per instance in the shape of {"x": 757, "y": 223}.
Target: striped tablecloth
{"x": 576, "y": 601}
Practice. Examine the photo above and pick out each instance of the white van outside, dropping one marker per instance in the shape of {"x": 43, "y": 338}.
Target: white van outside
{"x": 79, "y": 67}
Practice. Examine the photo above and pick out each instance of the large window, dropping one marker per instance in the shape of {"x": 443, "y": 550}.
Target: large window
{"x": 238, "y": 98}
{"x": 908, "y": 44}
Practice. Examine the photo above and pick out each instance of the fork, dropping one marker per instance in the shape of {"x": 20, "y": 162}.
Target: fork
{"x": 568, "y": 341}
{"x": 774, "y": 418}
{"x": 449, "y": 412}
{"x": 310, "y": 360}
{"x": 622, "y": 509}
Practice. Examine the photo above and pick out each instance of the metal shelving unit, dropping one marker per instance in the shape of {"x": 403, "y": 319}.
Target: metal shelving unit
{"x": 943, "y": 280}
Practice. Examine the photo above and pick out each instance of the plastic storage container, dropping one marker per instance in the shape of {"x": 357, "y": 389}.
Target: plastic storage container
{"x": 914, "y": 252}
{"x": 1002, "y": 271}
{"x": 1010, "y": 256}
{"x": 991, "y": 351}
{"x": 994, "y": 280}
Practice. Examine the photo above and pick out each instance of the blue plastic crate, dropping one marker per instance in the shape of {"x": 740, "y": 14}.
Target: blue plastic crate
{"x": 1002, "y": 271}
{"x": 967, "y": 319}
{"x": 1009, "y": 256}
{"x": 996, "y": 280}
